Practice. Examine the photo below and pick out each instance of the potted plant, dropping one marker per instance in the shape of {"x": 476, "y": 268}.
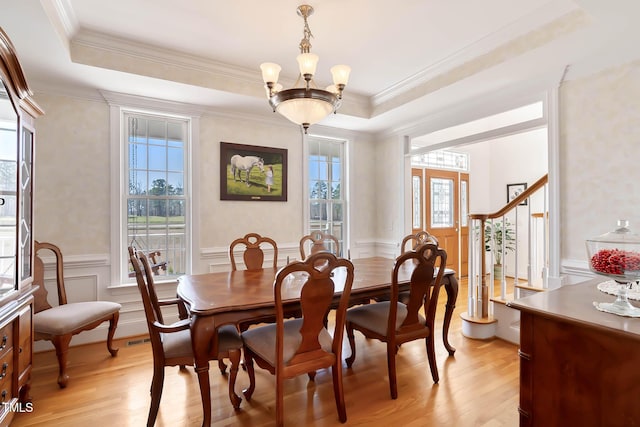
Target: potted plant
{"x": 495, "y": 232}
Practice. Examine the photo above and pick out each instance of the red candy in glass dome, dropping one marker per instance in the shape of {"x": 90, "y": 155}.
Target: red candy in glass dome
{"x": 615, "y": 261}
{"x": 616, "y": 253}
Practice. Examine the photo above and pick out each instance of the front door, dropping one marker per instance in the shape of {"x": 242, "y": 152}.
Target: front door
{"x": 440, "y": 206}
{"x": 443, "y": 211}
{"x": 445, "y": 192}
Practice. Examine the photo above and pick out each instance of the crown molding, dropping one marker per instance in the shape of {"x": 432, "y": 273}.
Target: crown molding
{"x": 105, "y": 51}
{"x": 101, "y": 42}
{"x": 76, "y": 92}
{"x": 554, "y": 12}
{"x": 147, "y": 103}
{"x": 63, "y": 19}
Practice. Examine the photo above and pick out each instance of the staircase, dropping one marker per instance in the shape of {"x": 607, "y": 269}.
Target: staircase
{"x": 518, "y": 236}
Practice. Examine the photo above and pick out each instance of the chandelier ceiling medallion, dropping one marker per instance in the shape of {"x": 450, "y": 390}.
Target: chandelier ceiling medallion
{"x": 305, "y": 104}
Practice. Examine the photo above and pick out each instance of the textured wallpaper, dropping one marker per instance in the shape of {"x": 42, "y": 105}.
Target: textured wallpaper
{"x": 599, "y": 156}
{"x": 71, "y": 194}
{"x": 72, "y": 180}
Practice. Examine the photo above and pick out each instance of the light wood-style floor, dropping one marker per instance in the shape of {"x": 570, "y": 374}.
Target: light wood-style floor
{"x": 478, "y": 387}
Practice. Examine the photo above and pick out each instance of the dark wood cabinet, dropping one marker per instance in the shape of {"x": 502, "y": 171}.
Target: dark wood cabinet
{"x": 578, "y": 366}
{"x": 17, "y": 152}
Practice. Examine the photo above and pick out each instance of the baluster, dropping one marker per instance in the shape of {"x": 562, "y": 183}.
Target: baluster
{"x": 545, "y": 259}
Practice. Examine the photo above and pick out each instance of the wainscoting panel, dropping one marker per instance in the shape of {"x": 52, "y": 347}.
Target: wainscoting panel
{"x": 87, "y": 278}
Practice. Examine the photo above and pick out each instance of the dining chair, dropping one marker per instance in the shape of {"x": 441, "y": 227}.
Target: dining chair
{"x": 253, "y": 257}
{"x": 304, "y": 344}
{"x": 155, "y": 301}
{"x": 158, "y": 265}
{"x": 171, "y": 343}
{"x": 419, "y": 238}
{"x": 416, "y": 239}
{"x": 60, "y": 323}
{"x": 319, "y": 241}
{"x": 395, "y": 322}
{"x": 253, "y": 254}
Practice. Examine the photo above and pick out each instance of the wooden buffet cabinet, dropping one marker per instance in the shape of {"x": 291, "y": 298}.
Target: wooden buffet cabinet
{"x": 578, "y": 366}
{"x": 17, "y": 138}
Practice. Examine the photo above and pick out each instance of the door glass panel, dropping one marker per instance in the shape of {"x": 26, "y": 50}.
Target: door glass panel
{"x": 464, "y": 204}
{"x": 8, "y": 193}
{"x": 416, "y": 197}
{"x": 26, "y": 185}
{"x": 442, "y": 207}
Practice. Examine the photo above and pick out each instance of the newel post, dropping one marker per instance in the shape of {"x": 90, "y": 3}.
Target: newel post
{"x": 484, "y": 288}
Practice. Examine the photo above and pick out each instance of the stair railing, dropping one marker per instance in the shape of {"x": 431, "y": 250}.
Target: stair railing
{"x": 480, "y": 292}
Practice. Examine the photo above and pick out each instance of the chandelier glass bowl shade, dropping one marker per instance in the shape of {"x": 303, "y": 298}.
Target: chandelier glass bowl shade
{"x": 305, "y": 104}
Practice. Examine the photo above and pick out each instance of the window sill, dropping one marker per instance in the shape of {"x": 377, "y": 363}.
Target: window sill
{"x": 161, "y": 283}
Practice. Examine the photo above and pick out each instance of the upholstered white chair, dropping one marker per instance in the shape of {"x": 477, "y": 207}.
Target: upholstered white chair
{"x": 60, "y": 323}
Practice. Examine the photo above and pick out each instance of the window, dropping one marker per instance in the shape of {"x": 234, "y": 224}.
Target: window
{"x": 154, "y": 215}
{"x": 416, "y": 197}
{"x": 442, "y": 159}
{"x": 327, "y": 187}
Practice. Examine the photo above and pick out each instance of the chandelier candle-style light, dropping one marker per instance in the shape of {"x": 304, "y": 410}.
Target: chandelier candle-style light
{"x": 305, "y": 105}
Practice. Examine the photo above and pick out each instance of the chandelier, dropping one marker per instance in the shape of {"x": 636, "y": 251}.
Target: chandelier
{"x": 305, "y": 104}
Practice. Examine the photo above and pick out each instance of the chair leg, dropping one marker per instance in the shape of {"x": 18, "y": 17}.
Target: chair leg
{"x": 431, "y": 355}
{"x": 391, "y": 366}
{"x": 113, "y": 324}
{"x": 338, "y": 391}
{"x": 222, "y": 366}
{"x": 279, "y": 401}
{"x": 248, "y": 363}
{"x": 156, "y": 393}
{"x": 61, "y": 343}
{"x": 234, "y": 356}
{"x": 352, "y": 342}
{"x": 312, "y": 375}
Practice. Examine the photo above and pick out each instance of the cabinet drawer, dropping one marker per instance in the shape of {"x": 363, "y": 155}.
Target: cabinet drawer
{"x": 6, "y": 338}
{"x": 24, "y": 346}
{"x": 6, "y": 377}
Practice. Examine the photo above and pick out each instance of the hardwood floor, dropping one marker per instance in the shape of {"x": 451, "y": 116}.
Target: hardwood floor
{"x": 478, "y": 387}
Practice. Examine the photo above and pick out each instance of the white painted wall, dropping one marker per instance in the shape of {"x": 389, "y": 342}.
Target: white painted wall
{"x": 520, "y": 158}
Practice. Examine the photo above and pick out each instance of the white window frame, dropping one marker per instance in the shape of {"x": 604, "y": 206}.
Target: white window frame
{"x": 344, "y": 189}
{"x": 119, "y": 104}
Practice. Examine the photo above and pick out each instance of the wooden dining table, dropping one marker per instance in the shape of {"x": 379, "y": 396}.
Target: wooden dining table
{"x": 216, "y": 299}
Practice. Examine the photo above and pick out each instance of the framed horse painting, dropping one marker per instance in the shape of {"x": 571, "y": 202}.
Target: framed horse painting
{"x": 249, "y": 172}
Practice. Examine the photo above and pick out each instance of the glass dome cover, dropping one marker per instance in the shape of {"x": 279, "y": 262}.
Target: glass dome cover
{"x": 616, "y": 254}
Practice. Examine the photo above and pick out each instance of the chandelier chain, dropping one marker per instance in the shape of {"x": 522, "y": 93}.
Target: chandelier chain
{"x": 305, "y": 43}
